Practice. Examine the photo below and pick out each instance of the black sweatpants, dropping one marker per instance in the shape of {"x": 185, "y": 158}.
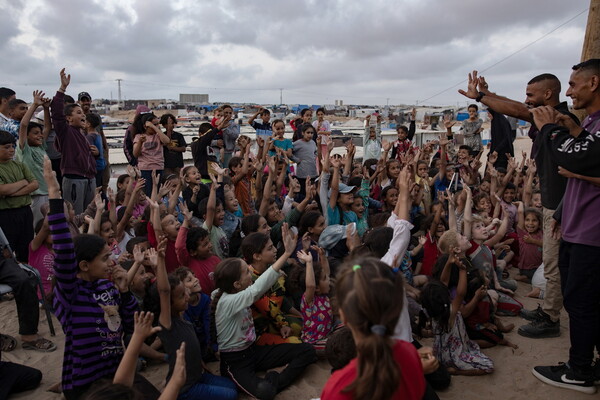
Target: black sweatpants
{"x": 25, "y": 291}
{"x": 16, "y": 378}
{"x": 17, "y": 225}
{"x": 241, "y": 366}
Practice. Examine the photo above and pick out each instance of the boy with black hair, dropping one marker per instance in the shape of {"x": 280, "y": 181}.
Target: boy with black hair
{"x": 92, "y": 122}
{"x": 263, "y": 129}
{"x": 16, "y": 185}
{"x": 78, "y": 163}
{"x": 6, "y": 95}
{"x": 32, "y": 150}
{"x": 404, "y": 145}
{"x": 16, "y": 110}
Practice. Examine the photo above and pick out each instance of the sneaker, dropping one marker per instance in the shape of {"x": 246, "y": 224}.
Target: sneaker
{"x": 532, "y": 315}
{"x": 563, "y": 376}
{"x": 540, "y": 329}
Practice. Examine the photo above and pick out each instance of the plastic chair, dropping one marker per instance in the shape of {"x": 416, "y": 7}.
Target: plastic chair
{"x": 4, "y": 289}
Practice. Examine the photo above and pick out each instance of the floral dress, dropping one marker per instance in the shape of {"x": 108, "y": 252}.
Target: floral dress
{"x": 454, "y": 349}
{"x": 318, "y": 320}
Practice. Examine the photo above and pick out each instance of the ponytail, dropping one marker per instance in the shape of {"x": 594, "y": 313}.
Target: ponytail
{"x": 370, "y": 297}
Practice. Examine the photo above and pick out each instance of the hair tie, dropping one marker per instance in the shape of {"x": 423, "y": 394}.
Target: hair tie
{"x": 356, "y": 267}
{"x": 379, "y": 330}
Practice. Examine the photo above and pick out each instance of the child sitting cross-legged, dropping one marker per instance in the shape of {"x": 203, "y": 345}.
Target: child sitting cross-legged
{"x": 234, "y": 328}
{"x": 174, "y": 298}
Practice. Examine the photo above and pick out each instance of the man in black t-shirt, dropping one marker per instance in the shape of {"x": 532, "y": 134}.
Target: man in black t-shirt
{"x": 542, "y": 90}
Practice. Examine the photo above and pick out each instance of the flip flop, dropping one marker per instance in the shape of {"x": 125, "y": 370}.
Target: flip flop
{"x": 41, "y": 344}
{"x": 8, "y": 343}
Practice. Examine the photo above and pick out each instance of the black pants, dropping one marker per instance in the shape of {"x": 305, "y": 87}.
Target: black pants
{"x": 56, "y": 168}
{"x": 25, "y": 291}
{"x": 140, "y": 384}
{"x": 15, "y": 378}
{"x": 17, "y": 225}
{"x": 579, "y": 267}
{"x": 241, "y": 366}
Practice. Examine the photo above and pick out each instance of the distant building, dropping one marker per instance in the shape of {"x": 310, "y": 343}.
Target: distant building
{"x": 193, "y": 98}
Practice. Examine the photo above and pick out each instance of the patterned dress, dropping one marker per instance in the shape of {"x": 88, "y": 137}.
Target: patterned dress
{"x": 454, "y": 349}
{"x": 471, "y": 132}
{"x": 318, "y": 321}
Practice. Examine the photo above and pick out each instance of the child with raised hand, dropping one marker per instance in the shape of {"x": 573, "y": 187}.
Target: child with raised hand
{"x": 529, "y": 229}
{"x": 384, "y": 368}
{"x": 452, "y": 345}
{"x": 174, "y": 299}
{"x": 41, "y": 255}
{"x": 275, "y": 318}
{"x": 372, "y": 139}
{"x": 32, "y": 149}
{"x": 195, "y": 250}
{"x": 235, "y": 334}
{"x": 90, "y": 308}
{"x": 213, "y": 214}
{"x": 241, "y": 171}
{"x": 148, "y": 148}
{"x": 78, "y": 164}
{"x": 315, "y": 306}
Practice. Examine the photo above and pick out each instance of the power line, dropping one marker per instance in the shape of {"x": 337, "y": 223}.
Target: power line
{"x": 508, "y": 56}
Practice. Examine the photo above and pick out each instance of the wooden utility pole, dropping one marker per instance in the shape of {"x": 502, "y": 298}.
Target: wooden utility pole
{"x": 591, "y": 43}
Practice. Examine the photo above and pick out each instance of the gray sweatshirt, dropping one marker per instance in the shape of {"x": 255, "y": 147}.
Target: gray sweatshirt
{"x": 305, "y": 155}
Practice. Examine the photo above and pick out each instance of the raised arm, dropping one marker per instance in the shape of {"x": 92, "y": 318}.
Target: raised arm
{"x": 468, "y": 212}
{"x": 402, "y": 209}
{"x": 335, "y": 183}
{"x": 37, "y": 101}
{"x": 211, "y": 206}
{"x": 309, "y": 280}
{"x": 162, "y": 284}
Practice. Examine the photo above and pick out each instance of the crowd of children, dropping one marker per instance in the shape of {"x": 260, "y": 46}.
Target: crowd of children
{"x": 267, "y": 255}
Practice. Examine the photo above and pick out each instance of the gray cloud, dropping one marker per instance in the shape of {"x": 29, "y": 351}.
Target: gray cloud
{"x": 317, "y": 50}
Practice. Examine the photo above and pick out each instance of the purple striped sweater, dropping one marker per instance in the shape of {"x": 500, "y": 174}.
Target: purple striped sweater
{"x": 92, "y": 314}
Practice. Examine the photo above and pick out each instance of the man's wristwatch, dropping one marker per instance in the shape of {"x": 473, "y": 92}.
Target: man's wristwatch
{"x": 478, "y": 99}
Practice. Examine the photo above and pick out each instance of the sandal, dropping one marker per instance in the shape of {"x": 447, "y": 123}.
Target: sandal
{"x": 41, "y": 344}
{"x": 7, "y": 343}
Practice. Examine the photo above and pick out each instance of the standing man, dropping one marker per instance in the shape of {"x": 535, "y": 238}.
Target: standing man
{"x": 85, "y": 101}
{"x": 542, "y": 90}
{"x": 577, "y": 150}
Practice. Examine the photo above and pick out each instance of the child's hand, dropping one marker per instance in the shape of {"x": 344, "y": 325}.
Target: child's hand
{"x": 99, "y": 202}
{"x": 187, "y": 214}
{"x": 304, "y": 256}
{"x": 143, "y": 324}
{"x": 153, "y": 204}
{"x": 119, "y": 279}
{"x": 46, "y": 101}
{"x": 111, "y": 196}
{"x": 285, "y": 331}
{"x": 50, "y": 178}
{"x": 289, "y": 239}
{"x": 306, "y": 242}
{"x": 88, "y": 220}
{"x": 161, "y": 247}
{"x": 428, "y": 360}
{"x": 387, "y": 146}
{"x": 481, "y": 293}
{"x": 140, "y": 183}
{"x": 64, "y": 80}
{"x": 38, "y": 97}
{"x": 422, "y": 240}
{"x": 404, "y": 179}
{"x": 138, "y": 254}
{"x": 178, "y": 377}
{"x": 152, "y": 255}
{"x": 320, "y": 251}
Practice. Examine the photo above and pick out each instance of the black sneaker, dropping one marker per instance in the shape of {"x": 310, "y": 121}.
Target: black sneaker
{"x": 540, "y": 329}
{"x": 563, "y": 376}
{"x": 533, "y": 315}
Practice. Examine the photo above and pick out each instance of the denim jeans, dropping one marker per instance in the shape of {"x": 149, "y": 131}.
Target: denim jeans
{"x": 580, "y": 281}
{"x": 211, "y": 387}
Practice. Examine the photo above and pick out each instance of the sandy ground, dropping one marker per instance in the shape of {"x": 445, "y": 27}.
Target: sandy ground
{"x": 512, "y": 378}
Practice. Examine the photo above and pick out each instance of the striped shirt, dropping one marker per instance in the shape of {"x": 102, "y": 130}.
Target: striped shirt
{"x": 92, "y": 314}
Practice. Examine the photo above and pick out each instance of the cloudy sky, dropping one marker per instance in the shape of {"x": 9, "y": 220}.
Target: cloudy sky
{"x": 363, "y": 52}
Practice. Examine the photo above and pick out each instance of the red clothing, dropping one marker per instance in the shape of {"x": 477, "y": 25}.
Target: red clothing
{"x": 170, "y": 256}
{"x": 203, "y": 269}
{"x": 530, "y": 255}
{"x": 430, "y": 255}
{"x": 412, "y": 380}
{"x": 242, "y": 193}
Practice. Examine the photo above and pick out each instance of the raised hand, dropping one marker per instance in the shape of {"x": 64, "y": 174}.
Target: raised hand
{"x": 471, "y": 91}
{"x": 50, "y": 178}
{"x": 187, "y": 214}
{"x": 493, "y": 157}
{"x": 387, "y": 146}
{"x": 142, "y": 324}
{"x": 138, "y": 254}
{"x": 545, "y": 115}
{"x": 64, "y": 80}
{"x": 304, "y": 256}
{"x": 178, "y": 377}
{"x": 38, "y": 97}
{"x": 152, "y": 255}
{"x": 289, "y": 239}
{"x": 422, "y": 240}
